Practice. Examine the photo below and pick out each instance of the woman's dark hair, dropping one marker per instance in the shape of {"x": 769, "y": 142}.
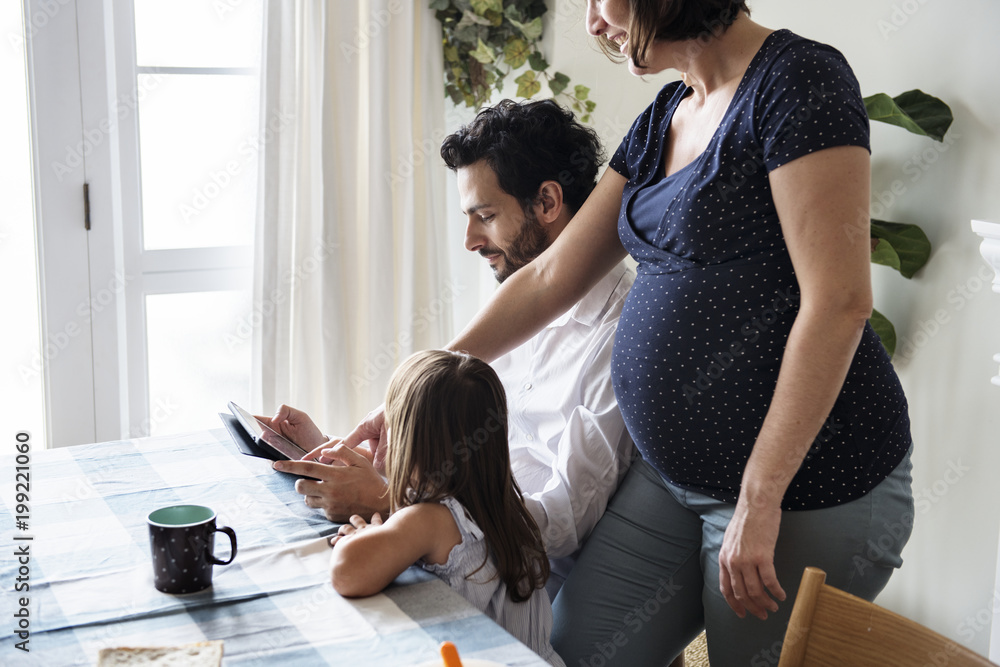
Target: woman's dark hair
{"x": 526, "y": 144}
{"x": 673, "y": 20}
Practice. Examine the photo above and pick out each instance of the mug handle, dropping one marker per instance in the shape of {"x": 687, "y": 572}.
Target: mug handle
{"x": 232, "y": 543}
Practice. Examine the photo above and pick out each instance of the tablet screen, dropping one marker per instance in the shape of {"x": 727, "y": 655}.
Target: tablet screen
{"x": 267, "y": 436}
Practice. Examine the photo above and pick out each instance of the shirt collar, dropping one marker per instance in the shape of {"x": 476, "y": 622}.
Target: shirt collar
{"x": 588, "y": 309}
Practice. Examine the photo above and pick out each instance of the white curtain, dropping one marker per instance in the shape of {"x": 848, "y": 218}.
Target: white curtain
{"x": 351, "y": 244}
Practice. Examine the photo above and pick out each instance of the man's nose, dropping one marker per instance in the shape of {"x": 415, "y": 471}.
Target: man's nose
{"x": 473, "y": 238}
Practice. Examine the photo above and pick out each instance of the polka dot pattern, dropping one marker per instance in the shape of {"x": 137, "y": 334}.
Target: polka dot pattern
{"x": 701, "y": 337}
{"x": 182, "y": 561}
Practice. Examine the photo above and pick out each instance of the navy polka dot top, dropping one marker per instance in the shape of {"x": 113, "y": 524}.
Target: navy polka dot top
{"x": 702, "y": 334}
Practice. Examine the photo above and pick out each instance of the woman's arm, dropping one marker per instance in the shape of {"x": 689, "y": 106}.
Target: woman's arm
{"x": 535, "y": 295}
{"x": 367, "y": 557}
{"x": 538, "y": 293}
{"x": 822, "y": 202}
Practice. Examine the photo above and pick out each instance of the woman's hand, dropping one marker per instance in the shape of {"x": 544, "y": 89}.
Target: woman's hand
{"x": 297, "y": 426}
{"x": 746, "y": 560}
{"x": 356, "y": 525}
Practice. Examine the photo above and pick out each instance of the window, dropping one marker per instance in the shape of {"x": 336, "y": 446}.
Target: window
{"x": 21, "y": 374}
{"x": 165, "y": 118}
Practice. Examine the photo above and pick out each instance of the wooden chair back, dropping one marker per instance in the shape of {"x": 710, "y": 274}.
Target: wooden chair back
{"x": 831, "y": 628}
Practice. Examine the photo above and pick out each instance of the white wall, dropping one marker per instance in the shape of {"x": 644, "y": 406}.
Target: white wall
{"x": 947, "y": 48}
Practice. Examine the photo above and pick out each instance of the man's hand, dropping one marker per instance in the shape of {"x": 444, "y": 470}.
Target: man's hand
{"x": 350, "y": 486}
{"x": 372, "y": 430}
{"x": 297, "y": 426}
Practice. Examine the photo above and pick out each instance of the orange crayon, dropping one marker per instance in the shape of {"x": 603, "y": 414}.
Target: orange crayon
{"x": 450, "y": 655}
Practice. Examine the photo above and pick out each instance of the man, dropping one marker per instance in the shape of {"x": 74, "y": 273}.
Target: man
{"x": 523, "y": 171}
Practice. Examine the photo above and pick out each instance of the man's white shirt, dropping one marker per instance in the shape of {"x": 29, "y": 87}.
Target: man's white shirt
{"x": 569, "y": 447}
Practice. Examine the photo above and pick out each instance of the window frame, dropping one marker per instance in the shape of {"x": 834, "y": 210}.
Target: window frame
{"x": 83, "y": 92}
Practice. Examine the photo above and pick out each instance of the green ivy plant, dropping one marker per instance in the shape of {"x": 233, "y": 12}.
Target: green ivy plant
{"x": 486, "y": 40}
{"x": 901, "y": 246}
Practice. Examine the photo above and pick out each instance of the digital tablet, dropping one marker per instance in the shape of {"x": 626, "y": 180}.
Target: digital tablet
{"x": 266, "y": 437}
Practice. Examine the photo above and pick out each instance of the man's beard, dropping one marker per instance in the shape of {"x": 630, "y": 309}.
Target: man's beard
{"x": 529, "y": 243}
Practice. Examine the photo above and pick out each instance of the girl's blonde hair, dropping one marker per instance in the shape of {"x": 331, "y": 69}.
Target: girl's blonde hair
{"x": 447, "y": 418}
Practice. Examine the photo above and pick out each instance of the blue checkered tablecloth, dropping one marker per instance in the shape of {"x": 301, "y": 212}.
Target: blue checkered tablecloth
{"x": 91, "y": 583}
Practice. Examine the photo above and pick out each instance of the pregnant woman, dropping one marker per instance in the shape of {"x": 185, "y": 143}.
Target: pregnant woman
{"x": 773, "y": 429}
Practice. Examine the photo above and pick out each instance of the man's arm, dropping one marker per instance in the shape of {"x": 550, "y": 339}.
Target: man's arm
{"x": 350, "y": 485}
{"x": 587, "y": 471}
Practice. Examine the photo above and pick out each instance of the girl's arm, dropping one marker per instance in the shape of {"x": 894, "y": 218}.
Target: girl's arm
{"x": 822, "y": 202}
{"x": 367, "y": 557}
{"x": 555, "y": 280}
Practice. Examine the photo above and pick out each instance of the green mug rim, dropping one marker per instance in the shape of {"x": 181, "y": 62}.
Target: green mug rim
{"x": 159, "y": 524}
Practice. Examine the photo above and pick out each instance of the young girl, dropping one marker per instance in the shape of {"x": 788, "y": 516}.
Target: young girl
{"x": 456, "y": 509}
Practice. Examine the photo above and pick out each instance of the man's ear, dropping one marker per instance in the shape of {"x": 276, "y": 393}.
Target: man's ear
{"x": 548, "y": 202}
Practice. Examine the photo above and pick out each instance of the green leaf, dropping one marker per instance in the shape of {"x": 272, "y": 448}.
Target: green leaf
{"x": 537, "y": 62}
{"x": 454, "y": 93}
{"x": 440, "y": 4}
{"x": 527, "y": 85}
{"x": 482, "y": 6}
{"x": 515, "y": 52}
{"x": 886, "y": 332}
{"x": 581, "y": 92}
{"x": 468, "y": 34}
{"x": 883, "y": 253}
{"x": 908, "y": 242}
{"x": 590, "y": 105}
{"x": 451, "y": 54}
{"x": 558, "y": 83}
{"x": 914, "y": 110}
{"x": 531, "y": 30}
{"x": 482, "y": 53}
{"x": 469, "y": 19}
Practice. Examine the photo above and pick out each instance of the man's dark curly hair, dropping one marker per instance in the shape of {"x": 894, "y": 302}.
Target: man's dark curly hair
{"x": 673, "y": 20}
{"x": 526, "y": 144}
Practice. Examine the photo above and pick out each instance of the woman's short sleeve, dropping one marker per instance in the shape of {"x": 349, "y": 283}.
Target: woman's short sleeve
{"x": 811, "y": 100}
{"x": 619, "y": 160}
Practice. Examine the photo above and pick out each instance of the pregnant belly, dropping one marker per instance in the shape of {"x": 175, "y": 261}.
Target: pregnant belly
{"x": 695, "y": 363}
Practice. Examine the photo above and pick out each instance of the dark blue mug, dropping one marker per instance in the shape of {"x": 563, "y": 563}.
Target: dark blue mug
{"x": 182, "y": 541}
